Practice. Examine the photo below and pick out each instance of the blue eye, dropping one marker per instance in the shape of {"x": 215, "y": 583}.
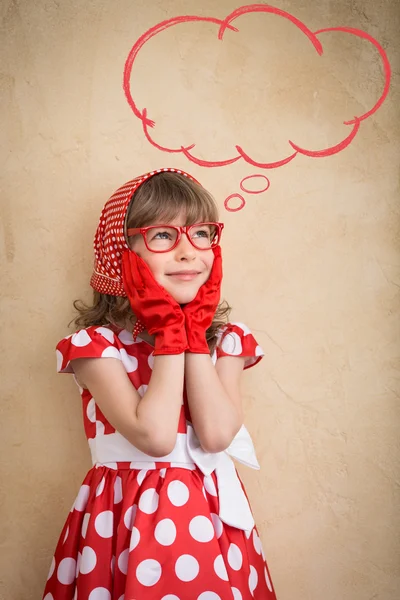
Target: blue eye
{"x": 202, "y": 233}
{"x": 165, "y": 234}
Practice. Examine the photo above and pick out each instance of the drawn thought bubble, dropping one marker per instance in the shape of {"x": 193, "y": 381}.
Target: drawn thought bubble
{"x": 231, "y": 24}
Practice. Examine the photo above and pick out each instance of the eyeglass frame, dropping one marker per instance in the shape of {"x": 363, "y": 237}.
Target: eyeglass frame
{"x": 180, "y": 230}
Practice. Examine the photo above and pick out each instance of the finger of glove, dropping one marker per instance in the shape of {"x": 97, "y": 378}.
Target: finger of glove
{"x": 215, "y": 278}
{"x": 156, "y": 289}
{"x": 142, "y": 276}
{"x": 131, "y": 277}
{"x": 206, "y": 294}
{"x": 152, "y": 289}
{"x": 216, "y": 271}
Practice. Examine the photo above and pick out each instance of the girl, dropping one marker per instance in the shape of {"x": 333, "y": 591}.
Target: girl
{"x": 162, "y": 515}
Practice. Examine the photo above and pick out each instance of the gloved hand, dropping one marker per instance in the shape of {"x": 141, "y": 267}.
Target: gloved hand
{"x": 154, "y": 306}
{"x": 199, "y": 313}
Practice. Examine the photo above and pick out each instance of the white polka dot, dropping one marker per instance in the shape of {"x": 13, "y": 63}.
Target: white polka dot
{"x": 150, "y": 360}
{"x": 52, "y": 567}
{"x": 165, "y": 532}
{"x": 85, "y": 524}
{"x": 248, "y": 533}
{"x": 60, "y": 359}
{"x": 106, "y": 333}
{"x": 104, "y": 524}
{"x": 256, "y": 542}
{"x": 259, "y": 351}
{"x": 187, "y": 568}
{"x": 148, "y": 572}
{"x": 48, "y": 597}
{"x": 129, "y": 516}
{"x": 82, "y": 498}
{"x": 201, "y": 529}
{"x": 66, "y": 571}
{"x": 178, "y": 493}
{"x": 81, "y": 338}
{"x": 100, "y": 429}
{"x": 232, "y": 344}
{"x": 130, "y": 362}
{"x": 88, "y": 560}
{"x": 100, "y": 593}
{"x": 123, "y": 561}
{"x": 66, "y": 535}
{"x": 267, "y": 580}
{"x": 253, "y": 579}
{"x": 148, "y": 502}
{"x": 141, "y": 475}
{"x": 220, "y": 569}
{"x": 135, "y": 538}
{"x": 209, "y": 596}
{"x": 100, "y": 487}
{"x": 117, "y": 490}
{"x": 78, "y": 564}
{"x": 110, "y": 352}
{"x": 236, "y": 594}
{"x": 210, "y": 485}
{"x": 170, "y": 597}
{"x": 126, "y": 337}
{"x": 235, "y": 558}
{"x": 163, "y": 472}
{"x": 142, "y": 390}
{"x": 91, "y": 410}
{"x": 218, "y": 527}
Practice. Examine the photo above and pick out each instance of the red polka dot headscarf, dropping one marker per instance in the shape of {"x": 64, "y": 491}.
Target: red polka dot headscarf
{"x": 110, "y": 242}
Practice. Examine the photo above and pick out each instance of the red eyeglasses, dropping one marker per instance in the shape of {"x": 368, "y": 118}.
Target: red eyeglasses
{"x": 163, "y": 238}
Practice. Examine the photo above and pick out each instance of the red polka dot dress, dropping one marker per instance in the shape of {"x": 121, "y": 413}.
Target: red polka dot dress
{"x": 177, "y": 527}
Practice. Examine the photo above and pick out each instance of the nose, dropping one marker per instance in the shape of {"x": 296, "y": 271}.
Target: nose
{"x": 185, "y": 250}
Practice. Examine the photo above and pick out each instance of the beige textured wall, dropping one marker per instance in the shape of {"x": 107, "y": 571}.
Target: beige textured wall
{"x": 312, "y": 265}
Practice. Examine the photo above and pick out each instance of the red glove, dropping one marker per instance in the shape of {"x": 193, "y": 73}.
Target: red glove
{"x": 154, "y": 306}
{"x": 199, "y": 313}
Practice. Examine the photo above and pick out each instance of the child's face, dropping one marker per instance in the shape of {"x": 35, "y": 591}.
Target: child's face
{"x": 184, "y": 257}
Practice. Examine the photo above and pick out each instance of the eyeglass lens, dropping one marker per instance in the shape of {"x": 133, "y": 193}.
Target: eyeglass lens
{"x": 203, "y": 236}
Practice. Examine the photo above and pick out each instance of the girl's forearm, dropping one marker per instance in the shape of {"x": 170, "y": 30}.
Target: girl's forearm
{"x": 215, "y": 417}
{"x": 158, "y": 411}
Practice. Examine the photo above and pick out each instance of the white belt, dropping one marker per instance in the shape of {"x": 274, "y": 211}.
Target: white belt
{"x": 234, "y": 507}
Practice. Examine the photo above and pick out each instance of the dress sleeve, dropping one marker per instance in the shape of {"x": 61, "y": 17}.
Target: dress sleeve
{"x": 93, "y": 342}
{"x": 237, "y": 340}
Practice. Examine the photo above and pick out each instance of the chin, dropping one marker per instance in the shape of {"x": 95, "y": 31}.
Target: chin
{"x": 184, "y": 296}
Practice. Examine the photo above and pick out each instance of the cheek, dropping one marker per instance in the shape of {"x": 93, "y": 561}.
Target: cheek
{"x": 137, "y": 245}
{"x": 149, "y": 258}
{"x": 156, "y": 265}
{"x": 151, "y": 263}
{"x": 209, "y": 261}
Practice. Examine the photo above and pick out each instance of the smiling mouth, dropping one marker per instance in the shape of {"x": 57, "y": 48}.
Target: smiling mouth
{"x": 184, "y": 275}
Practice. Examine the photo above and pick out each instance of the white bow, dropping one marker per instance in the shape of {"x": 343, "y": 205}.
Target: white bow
{"x": 234, "y": 508}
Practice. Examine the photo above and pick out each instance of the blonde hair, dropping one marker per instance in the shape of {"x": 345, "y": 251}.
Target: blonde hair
{"x": 160, "y": 199}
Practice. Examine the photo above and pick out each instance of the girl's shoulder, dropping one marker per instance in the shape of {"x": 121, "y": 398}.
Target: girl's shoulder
{"x": 98, "y": 341}
{"x": 236, "y": 339}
